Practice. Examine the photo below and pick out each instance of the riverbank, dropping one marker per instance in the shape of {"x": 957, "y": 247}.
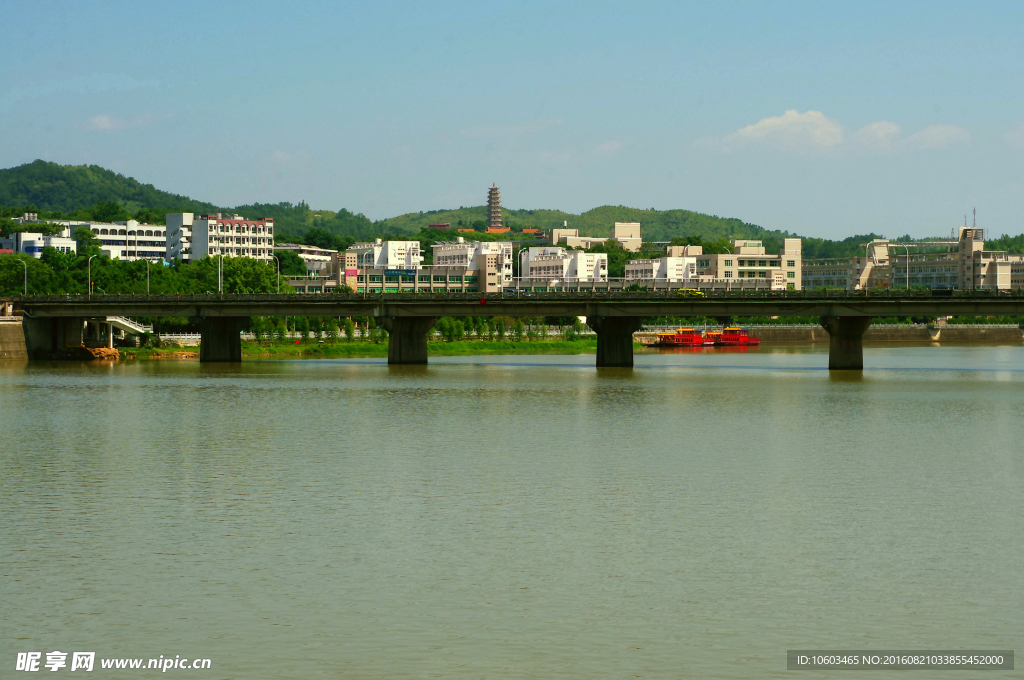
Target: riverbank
{"x": 359, "y": 350}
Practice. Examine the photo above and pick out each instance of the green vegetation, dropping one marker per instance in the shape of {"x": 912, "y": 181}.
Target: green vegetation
{"x": 91, "y": 192}
{"x": 68, "y": 188}
{"x": 57, "y": 273}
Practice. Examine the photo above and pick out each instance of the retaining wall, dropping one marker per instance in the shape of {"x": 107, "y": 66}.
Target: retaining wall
{"x": 816, "y": 334}
{"x": 12, "y": 340}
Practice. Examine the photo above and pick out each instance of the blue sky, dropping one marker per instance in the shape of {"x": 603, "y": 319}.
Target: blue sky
{"x": 825, "y": 119}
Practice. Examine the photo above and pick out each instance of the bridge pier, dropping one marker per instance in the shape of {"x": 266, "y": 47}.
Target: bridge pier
{"x": 407, "y": 338}
{"x": 846, "y": 341}
{"x": 54, "y": 336}
{"x": 222, "y": 340}
{"x": 615, "y": 339}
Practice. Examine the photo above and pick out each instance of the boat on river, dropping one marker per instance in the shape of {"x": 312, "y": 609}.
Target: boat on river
{"x": 734, "y": 336}
{"x": 681, "y": 337}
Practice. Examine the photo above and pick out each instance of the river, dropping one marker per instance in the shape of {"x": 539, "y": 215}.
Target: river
{"x": 514, "y": 517}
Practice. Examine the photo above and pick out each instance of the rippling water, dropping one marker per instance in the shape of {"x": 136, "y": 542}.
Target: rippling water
{"x": 514, "y": 517}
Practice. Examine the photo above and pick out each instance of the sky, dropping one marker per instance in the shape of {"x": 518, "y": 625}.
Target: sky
{"x": 824, "y": 119}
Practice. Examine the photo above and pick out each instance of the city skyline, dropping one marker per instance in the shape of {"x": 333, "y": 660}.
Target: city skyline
{"x": 823, "y": 121}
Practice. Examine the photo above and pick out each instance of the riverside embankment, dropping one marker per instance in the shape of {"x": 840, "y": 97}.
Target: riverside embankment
{"x": 896, "y": 333}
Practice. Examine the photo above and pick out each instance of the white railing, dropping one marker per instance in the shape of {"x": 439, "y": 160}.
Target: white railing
{"x": 130, "y": 324}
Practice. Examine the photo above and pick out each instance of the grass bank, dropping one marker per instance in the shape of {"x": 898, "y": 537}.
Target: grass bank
{"x": 345, "y": 350}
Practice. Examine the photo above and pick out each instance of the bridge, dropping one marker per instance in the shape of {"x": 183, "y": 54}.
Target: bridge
{"x": 56, "y": 321}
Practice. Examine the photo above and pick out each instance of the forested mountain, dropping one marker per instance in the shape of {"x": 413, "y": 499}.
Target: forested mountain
{"x": 67, "y": 188}
{"x": 80, "y": 191}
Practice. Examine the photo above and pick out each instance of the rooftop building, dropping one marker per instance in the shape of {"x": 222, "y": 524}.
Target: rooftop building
{"x": 626, "y": 234}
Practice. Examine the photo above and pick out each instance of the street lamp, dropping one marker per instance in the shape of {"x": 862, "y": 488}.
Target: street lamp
{"x": 147, "y": 277}
{"x": 89, "y": 265}
{"x": 25, "y": 265}
{"x": 220, "y": 275}
{"x": 278, "y": 273}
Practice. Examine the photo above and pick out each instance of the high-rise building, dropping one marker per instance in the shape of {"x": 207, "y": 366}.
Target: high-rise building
{"x": 193, "y": 238}
{"x": 493, "y": 208}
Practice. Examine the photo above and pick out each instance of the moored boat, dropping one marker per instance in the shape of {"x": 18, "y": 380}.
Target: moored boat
{"x": 681, "y": 337}
{"x": 736, "y": 336}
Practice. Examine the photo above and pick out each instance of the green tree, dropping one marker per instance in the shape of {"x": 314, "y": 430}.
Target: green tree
{"x": 86, "y": 242}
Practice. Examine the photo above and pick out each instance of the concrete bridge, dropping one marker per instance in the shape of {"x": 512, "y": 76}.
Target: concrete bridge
{"x": 50, "y": 322}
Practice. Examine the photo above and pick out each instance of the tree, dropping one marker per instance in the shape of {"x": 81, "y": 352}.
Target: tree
{"x": 86, "y": 242}
{"x": 499, "y": 327}
{"x": 350, "y": 330}
{"x": 517, "y": 330}
{"x": 291, "y": 264}
{"x": 108, "y": 211}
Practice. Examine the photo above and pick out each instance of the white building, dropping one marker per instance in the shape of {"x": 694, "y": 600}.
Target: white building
{"x": 679, "y": 266}
{"x": 388, "y": 254}
{"x": 179, "y": 236}
{"x": 316, "y": 259}
{"x": 476, "y": 255}
{"x": 749, "y": 263}
{"x": 33, "y": 243}
{"x": 192, "y": 238}
{"x": 128, "y": 240}
{"x": 551, "y": 263}
{"x": 626, "y": 234}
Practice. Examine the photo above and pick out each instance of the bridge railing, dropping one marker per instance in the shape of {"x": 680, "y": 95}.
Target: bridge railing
{"x": 598, "y": 295}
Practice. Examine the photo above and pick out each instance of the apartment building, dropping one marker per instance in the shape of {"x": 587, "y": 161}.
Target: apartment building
{"x": 962, "y": 263}
{"x": 541, "y": 265}
{"x": 388, "y": 254}
{"x": 679, "y": 266}
{"x": 750, "y": 262}
{"x": 477, "y": 255}
{"x": 192, "y": 238}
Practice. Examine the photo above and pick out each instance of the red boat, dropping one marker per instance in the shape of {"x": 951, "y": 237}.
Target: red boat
{"x": 735, "y": 336}
{"x": 682, "y": 337}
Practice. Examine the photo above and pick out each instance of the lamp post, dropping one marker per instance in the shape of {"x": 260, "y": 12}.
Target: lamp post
{"x": 25, "y": 265}
{"x": 89, "y": 265}
{"x": 220, "y": 275}
{"x": 147, "y": 277}
{"x": 278, "y": 273}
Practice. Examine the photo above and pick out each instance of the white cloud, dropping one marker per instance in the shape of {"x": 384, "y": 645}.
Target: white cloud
{"x": 937, "y": 137}
{"x": 814, "y": 131}
{"x": 792, "y": 130}
{"x": 103, "y": 122}
{"x": 513, "y": 130}
{"x": 611, "y": 146}
{"x": 1015, "y": 137}
{"x": 879, "y": 136}
{"x": 106, "y": 122}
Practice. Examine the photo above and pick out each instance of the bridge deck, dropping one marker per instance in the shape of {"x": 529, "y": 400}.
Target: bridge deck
{"x": 584, "y": 303}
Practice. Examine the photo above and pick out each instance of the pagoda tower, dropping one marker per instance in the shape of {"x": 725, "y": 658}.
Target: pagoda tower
{"x": 493, "y": 208}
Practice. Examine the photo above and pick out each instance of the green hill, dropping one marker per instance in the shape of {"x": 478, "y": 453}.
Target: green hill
{"x": 93, "y": 192}
{"x": 656, "y": 225}
{"x": 67, "y": 188}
